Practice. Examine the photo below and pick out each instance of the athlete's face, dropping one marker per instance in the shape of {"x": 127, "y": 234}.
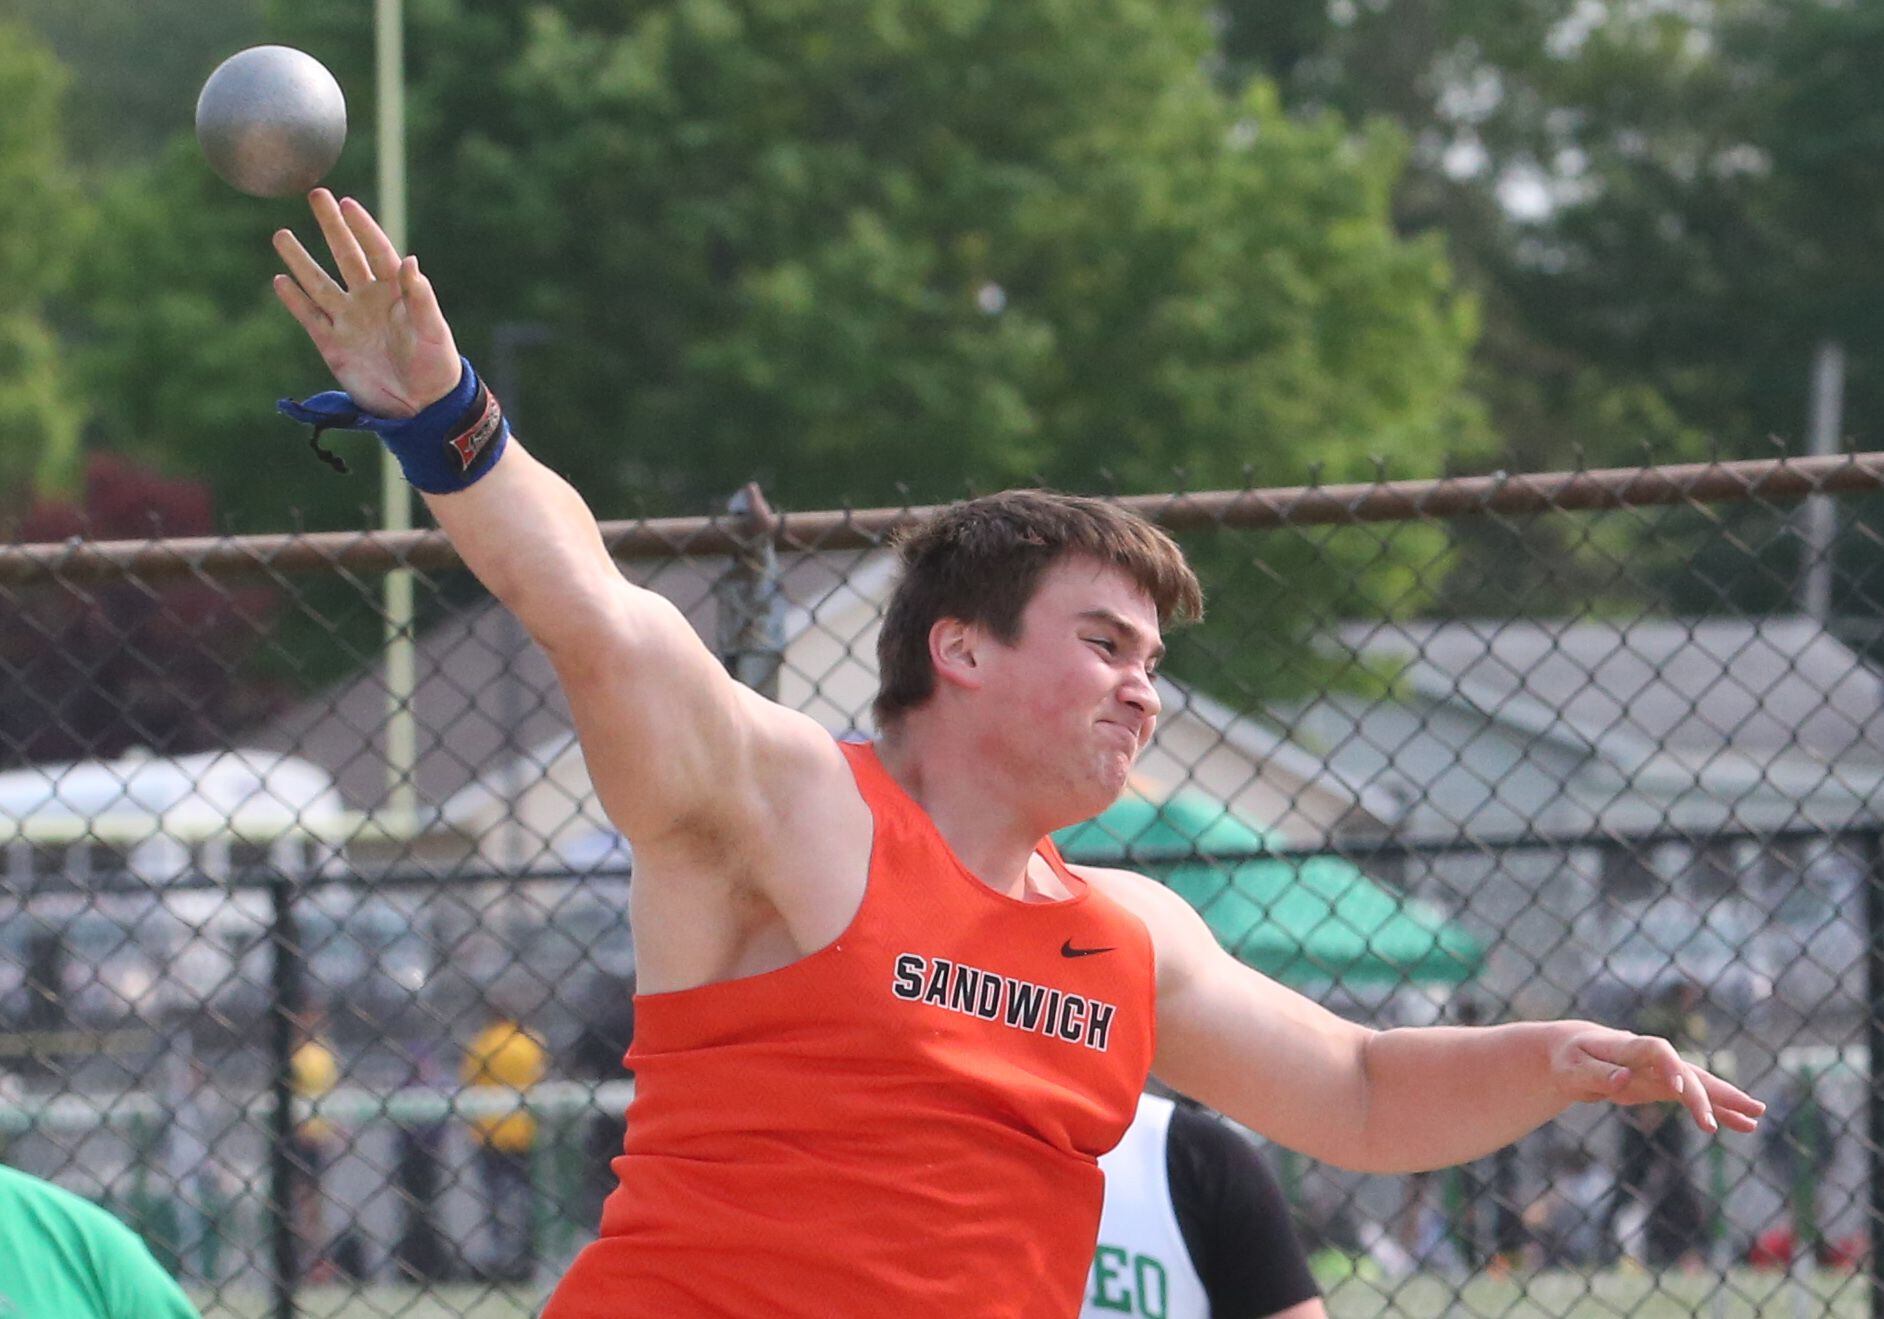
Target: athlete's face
{"x": 1075, "y": 691}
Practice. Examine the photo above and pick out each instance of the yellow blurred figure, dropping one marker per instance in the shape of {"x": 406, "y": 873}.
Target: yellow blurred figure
{"x": 506, "y": 1057}
{"x": 313, "y": 1072}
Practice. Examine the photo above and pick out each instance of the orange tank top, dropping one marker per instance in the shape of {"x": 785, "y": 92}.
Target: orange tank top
{"x": 903, "y": 1124}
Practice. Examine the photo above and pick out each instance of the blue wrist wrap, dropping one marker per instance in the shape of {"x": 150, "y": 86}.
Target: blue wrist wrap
{"x": 445, "y": 448}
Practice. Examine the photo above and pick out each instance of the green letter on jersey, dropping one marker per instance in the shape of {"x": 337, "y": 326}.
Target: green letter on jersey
{"x": 1110, "y": 1270}
{"x": 1128, "y": 1283}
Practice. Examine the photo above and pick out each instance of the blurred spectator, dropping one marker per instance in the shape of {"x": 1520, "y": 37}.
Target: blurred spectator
{"x": 1655, "y": 1212}
{"x": 1797, "y": 1141}
{"x": 1675, "y": 1012}
{"x": 419, "y": 1172}
{"x": 62, "y": 1257}
{"x": 47, "y": 1011}
{"x": 1566, "y": 1221}
{"x": 505, "y": 1061}
{"x": 599, "y": 1054}
{"x": 312, "y": 1074}
{"x": 204, "y": 1186}
{"x": 1488, "y": 1228}
{"x": 1425, "y": 1232}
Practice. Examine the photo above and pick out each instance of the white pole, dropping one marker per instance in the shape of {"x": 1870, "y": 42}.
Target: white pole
{"x": 395, "y": 495}
{"x": 1821, "y": 515}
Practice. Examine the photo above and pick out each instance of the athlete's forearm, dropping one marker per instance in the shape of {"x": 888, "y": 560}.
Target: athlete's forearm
{"x": 1442, "y": 1095}
{"x": 534, "y": 544}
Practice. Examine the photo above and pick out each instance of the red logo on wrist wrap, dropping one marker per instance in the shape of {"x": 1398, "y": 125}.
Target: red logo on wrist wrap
{"x": 470, "y": 443}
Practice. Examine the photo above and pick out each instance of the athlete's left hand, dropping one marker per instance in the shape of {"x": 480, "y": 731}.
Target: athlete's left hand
{"x": 1595, "y": 1063}
{"x": 378, "y": 326}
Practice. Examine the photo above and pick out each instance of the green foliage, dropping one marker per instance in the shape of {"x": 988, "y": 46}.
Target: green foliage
{"x": 851, "y": 249}
{"x": 1724, "y": 222}
{"x": 854, "y": 251}
{"x": 866, "y": 250}
{"x": 1661, "y": 210}
{"x": 41, "y": 216}
{"x": 187, "y": 348}
{"x": 136, "y": 65}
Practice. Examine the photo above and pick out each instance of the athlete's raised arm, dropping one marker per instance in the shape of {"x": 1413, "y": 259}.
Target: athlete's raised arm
{"x": 671, "y": 740}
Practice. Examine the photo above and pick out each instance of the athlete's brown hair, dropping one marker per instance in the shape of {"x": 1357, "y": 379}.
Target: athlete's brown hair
{"x": 980, "y": 562}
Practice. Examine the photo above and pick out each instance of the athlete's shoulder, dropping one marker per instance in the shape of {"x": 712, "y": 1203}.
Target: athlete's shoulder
{"x": 1179, "y": 937}
{"x": 1138, "y": 893}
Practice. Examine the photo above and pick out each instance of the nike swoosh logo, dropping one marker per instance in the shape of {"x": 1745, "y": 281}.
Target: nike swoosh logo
{"x": 1067, "y": 950}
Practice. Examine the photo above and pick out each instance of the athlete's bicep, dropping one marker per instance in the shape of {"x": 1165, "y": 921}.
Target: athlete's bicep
{"x": 1230, "y": 1036}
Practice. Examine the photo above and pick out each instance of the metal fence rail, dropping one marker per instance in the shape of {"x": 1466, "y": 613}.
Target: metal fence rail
{"x": 1471, "y": 749}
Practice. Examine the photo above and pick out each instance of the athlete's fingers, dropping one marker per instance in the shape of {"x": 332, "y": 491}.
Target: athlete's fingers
{"x": 308, "y": 274}
{"x": 1694, "y": 1097}
{"x": 302, "y": 308}
{"x": 421, "y": 301}
{"x": 382, "y": 258}
{"x": 1733, "y": 1106}
{"x": 435, "y": 369}
{"x": 348, "y": 257}
{"x": 1657, "y": 1057}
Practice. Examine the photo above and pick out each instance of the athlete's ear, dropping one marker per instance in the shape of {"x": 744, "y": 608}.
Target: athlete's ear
{"x": 955, "y": 650}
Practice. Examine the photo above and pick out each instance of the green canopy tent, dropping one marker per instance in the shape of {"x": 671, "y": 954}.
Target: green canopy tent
{"x": 1303, "y": 920}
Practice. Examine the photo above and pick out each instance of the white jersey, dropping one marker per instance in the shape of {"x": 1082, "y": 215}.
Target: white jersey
{"x": 1142, "y": 1267}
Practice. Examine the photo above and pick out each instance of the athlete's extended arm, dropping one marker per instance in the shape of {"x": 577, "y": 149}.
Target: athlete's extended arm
{"x": 1395, "y": 1100}
{"x": 636, "y": 675}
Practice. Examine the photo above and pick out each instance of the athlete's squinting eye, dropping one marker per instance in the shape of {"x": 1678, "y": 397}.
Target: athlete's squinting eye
{"x": 1109, "y": 647}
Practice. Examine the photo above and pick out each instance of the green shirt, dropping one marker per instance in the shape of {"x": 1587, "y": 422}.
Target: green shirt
{"x": 62, "y": 1257}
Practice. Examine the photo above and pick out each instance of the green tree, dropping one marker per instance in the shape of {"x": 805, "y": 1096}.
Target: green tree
{"x": 1525, "y": 116}
{"x": 882, "y": 244}
{"x": 1661, "y": 209}
{"x": 41, "y": 216}
{"x": 136, "y": 65}
{"x": 849, "y": 249}
{"x": 1715, "y": 219}
{"x": 865, "y": 250}
{"x": 186, "y": 349}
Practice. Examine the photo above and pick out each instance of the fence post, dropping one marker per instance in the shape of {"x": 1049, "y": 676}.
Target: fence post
{"x": 751, "y": 605}
{"x": 1874, "y": 1052}
{"x": 286, "y": 986}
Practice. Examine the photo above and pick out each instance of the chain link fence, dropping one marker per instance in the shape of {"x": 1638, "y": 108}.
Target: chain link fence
{"x": 1469, "y": 750}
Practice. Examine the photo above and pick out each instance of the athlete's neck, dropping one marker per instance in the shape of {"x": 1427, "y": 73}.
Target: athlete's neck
{"x": 977, "y": 812}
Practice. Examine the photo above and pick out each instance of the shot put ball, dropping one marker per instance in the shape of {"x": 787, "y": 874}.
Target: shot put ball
{"x": 271, "y": 121}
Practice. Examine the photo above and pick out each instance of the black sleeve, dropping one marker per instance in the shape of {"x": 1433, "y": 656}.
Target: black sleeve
{"x": 1234, "y": 1220}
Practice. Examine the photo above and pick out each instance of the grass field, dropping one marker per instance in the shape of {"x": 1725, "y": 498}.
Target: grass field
{"x": 446, "y": 1301}
{"x": 1742, "y": 1294}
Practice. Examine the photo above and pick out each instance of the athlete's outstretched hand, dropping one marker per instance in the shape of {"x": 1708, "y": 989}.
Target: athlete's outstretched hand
{"x": 1597, "y": 1063}
{"x": 380, "y": 329}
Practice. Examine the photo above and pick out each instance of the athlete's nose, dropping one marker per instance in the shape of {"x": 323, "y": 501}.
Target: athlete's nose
{"x": 1141, "y": 693}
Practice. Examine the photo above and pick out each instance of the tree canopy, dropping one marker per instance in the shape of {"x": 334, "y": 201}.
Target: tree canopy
{"x": 42, "y": 219}
{"x": 882, "y": 249}
{"x": 852, "y": 250}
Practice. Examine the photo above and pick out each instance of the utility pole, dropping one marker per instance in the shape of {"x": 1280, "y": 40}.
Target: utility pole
{"x": 1820, "y": 527}
{"x": 395, "y": 497}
